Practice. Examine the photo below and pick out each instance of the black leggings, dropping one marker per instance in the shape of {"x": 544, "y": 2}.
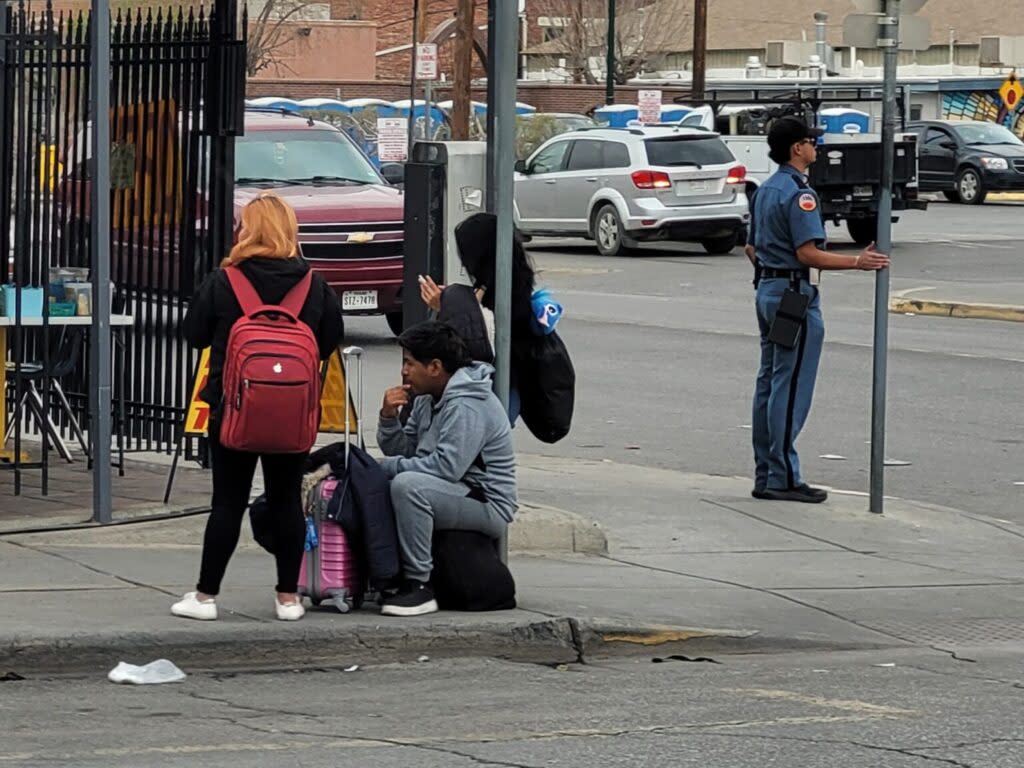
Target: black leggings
{"x": 232, "y": 482}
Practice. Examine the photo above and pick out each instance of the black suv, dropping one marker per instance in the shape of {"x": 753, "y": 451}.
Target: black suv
{"x": 965, "y": 160}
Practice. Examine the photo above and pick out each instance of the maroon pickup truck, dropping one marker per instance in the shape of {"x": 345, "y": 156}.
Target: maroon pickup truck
{"x": 351, "y": 222}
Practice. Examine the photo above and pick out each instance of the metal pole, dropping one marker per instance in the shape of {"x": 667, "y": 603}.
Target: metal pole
{"x": 100, "y": 339}
{"x": 888, "y": 41}
{"x": 428, "y": 98}
{"x": 609, "y": 87}
{"x": 820, "y": 19}
{"x": 492, "y": 158}
{"x": 504, "y": 142}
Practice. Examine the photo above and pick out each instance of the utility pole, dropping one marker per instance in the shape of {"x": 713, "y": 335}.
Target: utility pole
{"x": 609, "y": 87}
{"x": 888, "y": 42}
{"x": 463, "y": 76}
{"x": 412, "y": 75}
{"x": 421, "y": 20}
{"x": 700, "y": 47}
{"x": 820, "y": 22}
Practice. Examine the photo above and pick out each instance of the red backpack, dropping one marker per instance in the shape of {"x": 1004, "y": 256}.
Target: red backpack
{"x": 271, "y": 373}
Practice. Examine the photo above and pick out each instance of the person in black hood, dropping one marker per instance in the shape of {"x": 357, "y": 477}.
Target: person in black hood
{"x": 477, "y": 241}
{"x": 267, "y": 254}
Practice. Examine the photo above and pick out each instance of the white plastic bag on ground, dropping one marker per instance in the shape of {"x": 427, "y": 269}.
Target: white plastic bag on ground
{"x": 159, "y": 671}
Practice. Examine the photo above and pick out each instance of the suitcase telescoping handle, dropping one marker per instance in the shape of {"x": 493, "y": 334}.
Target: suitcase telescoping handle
{"x": 348, "y": 354}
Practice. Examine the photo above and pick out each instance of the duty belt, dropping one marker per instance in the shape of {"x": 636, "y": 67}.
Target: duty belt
{"x": 793, "y": 275}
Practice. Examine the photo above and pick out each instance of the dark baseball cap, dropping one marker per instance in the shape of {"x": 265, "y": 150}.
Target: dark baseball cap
{"x": 787, "y": 131}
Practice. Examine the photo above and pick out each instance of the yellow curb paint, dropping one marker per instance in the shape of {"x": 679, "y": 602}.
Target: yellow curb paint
{"x": 1005, "y": 312}
{"x": 654, "y": 638}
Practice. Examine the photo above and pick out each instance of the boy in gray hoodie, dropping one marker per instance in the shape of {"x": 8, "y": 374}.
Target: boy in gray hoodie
{"x": 452, "y": 465}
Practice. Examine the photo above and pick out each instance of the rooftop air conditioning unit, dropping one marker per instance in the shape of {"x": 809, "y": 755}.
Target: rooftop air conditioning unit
{"x": 795, "y": 54}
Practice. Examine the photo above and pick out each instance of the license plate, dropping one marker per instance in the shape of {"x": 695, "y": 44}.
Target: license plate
{"x": 356, "y": 300}
{"x": 863, "y": 191}
{"x": 698, "y": 186}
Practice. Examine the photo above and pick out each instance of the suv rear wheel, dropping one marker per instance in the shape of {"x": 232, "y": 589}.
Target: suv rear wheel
{"x": 863, "y": 231}
{"x": 608, "y": 233}
{"x": 721, "y": 245}
{"x": 395, "y": 322}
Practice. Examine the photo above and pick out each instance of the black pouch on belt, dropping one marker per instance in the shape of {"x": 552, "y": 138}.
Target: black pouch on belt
{"x": 789, "y": 318}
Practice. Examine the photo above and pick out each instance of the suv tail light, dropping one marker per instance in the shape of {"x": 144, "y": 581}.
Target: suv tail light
{"x": 737, "y": 175}
{"x": 651, "y": 180}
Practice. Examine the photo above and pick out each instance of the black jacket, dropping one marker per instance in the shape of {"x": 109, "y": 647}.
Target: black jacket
{"x": 214, "y": 309}
{"x": 362, "y": 506}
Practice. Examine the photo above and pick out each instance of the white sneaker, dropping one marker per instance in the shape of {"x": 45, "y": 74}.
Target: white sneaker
{"x": 190, "y": 607}
{"x": 289, "y": 611}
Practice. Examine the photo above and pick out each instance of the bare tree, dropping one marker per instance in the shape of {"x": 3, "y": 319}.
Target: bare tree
{"x": 643, "y": 30}
{"x": 272, "y": 29}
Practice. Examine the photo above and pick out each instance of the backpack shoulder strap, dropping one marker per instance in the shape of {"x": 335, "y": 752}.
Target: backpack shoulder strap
{"x": 295, "y": 299}
{"x": 247, "y": 297}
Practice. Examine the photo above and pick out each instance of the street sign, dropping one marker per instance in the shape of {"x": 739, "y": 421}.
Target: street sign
{"x": 649, "y": 103}
{"x": 1011, "y": 92}
{"x": 861, "y": 30}
{"x": 426, "y": 61}
{"x": 392, "y": 139}
{"x": 878, "y": 6}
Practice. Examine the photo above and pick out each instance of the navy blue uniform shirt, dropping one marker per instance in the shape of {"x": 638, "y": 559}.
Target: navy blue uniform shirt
{"x": 786, "y": 214}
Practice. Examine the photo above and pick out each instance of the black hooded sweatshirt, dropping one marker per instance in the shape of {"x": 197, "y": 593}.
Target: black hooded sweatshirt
{"x": 214, "y": 309}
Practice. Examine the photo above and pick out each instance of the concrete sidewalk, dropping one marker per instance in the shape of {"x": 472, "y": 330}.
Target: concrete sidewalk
{"x": 693, "y": 560}
{"x": 980, "y": 301}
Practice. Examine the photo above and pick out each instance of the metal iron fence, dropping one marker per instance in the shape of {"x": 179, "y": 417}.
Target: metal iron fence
{"x": 177, "y": 100}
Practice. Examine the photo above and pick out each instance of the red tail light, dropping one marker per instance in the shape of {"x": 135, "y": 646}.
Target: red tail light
{"x": 652, "y": 180}
{"x": 737, "y": 175}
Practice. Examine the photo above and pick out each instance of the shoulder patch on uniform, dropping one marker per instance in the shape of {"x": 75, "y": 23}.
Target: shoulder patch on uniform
{"x": 808, "y": 202}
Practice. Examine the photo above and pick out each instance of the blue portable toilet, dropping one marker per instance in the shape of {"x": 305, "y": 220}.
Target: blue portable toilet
{"x": 324, "y": 105}
{"x": 521, "y": 108}
{"x": 274, "y": 102}
{"x": 419, "y": 110}
{"x": 844, "y": 121}
{"x": 384, "y": 108}
{"x": 478, "y": 107}
{"x": 673, "y": 113}
{"x": 617, "y": 115}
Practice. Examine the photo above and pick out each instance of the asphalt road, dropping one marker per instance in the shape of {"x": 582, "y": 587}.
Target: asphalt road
{"x": 887, "y": 709}
{"x": 665, "y": 348}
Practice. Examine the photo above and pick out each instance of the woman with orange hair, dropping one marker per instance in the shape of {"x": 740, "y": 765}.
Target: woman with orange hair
{"x": 267, "y": 255}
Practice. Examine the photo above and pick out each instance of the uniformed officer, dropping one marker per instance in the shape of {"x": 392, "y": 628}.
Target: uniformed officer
{"x": 785, "y": 246}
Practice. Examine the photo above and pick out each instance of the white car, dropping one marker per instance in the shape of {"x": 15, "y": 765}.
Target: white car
{"x": 624, "y": 186}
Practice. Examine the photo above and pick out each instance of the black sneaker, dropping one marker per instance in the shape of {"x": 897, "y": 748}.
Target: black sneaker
{"x": 802, "y": 493}
{"x": 414, "y": 599}
{"x": 759, "y": 493}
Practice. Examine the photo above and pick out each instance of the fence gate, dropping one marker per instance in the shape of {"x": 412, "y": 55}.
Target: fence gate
{"x": 176, "y": 96}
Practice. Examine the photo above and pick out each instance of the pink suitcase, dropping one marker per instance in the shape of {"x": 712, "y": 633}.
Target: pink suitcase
{"x": 330, "y": 567}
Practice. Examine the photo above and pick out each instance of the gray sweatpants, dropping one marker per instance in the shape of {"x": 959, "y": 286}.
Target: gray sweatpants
{"x": 424, "y": 503}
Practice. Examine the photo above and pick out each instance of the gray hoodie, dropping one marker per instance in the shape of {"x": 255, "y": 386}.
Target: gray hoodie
{"x": 464, "y": 437}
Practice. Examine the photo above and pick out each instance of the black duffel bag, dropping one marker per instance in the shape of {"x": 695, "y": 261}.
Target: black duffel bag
{"x": 468, "y": 574}
{"x": 546, "y": 381}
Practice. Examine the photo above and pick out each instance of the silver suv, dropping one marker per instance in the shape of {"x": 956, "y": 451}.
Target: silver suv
{"x": 623, "y": 186}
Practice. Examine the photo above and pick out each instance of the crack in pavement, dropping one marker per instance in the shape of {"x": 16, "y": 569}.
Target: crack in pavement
{"x": 764, "y": 591}
{"x": 906, "y": 751}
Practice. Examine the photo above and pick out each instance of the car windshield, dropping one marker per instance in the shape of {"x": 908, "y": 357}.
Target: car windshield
{"x": 687, "y": 151}
{"x": 308, "y": 155}
{"x": 986, "y": 133}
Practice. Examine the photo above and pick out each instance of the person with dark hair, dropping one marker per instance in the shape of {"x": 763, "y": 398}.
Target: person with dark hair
{"x": 452, "y": 464}
{"x": 785, "y": 246}
{"x": 477, "y": 241}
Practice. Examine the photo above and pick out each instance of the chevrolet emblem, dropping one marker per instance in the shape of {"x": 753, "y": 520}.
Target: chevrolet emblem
{"x": 360, "y": 237}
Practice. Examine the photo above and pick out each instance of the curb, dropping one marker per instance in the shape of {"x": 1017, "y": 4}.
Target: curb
{"x": 549, "y": 641}
{"x": 540, "y": 529}
{"x": 1013, "y": 313}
